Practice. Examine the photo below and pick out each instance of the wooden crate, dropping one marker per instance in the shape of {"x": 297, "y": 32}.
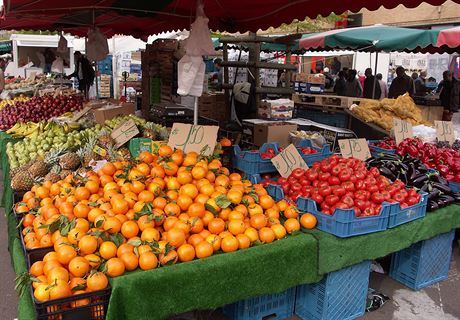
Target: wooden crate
{"x": 431, "y": 113}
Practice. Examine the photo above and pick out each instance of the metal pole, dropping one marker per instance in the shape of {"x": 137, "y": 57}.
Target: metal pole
{"x": 375, "y": 75}
{"x": 195, "y": 112}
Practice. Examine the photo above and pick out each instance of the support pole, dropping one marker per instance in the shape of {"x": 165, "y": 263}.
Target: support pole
{"x": 195, "y": 111}
{"x": 375, "y": 75}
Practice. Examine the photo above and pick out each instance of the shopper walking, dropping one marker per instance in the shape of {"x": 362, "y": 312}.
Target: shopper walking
{"x": 420, "y": 84}
{"x": 400, "y": 85}
{"x": 449, "y": 95}
{"x": 383, "y": 86}
{"x": 84, "y": 72}
{"x": 353, "y": 86}
{"x": 371, "y": 86}
{"x": 340, "y": 84}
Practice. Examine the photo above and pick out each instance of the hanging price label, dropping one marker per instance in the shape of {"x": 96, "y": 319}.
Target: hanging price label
{"x": 402, "y": 130}
{"x": 288, "y": 160}
{"x": 124, "y": 132}
{"x": 80, "y": 114}
{"x": 355, "y": 148}
{"x": 187, "y": 137}
{"x": 445, "y": 131}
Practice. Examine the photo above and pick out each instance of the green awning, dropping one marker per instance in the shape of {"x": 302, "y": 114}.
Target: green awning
{"x": 6, "y": 45}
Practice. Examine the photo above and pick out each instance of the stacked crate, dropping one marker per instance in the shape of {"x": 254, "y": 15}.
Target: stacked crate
{"x": 212, "y": 105}
{"x": 104, "y": 83}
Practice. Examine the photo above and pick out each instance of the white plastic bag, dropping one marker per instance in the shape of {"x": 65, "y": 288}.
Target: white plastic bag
{"x": 97, "y": 46}
{"x": 199, "y": 42}
{"x": 191, "y": 70}
{"x": 62, "y": 45}
{"x": 58, "y": 65}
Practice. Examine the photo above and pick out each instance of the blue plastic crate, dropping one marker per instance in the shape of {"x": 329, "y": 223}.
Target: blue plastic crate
{"x": 424, "y": 263}
{"x": 454, "y": 186}
{"x": 338, "y": 119}
{"x": 341, "y": 295}
{"x": 309, "y": 159}
{"x": 273, "y": 306}
{"x": 343, "y": 222}
{"x": 400, "y": 216}
{"x": 275, "y": 192}
{"x": 376, "y": 150}
{"x": 251, "y": 162}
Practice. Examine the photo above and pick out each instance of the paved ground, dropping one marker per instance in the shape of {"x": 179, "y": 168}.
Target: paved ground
{"x": 438, "y": 302}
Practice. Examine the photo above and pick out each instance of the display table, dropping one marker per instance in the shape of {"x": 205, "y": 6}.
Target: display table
{"x": 226, "y": 278}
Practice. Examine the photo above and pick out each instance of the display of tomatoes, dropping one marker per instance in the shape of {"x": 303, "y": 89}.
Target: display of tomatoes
{"x": 339, "y": 183}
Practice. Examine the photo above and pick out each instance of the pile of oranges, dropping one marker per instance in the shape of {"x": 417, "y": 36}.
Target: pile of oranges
{"x": 153, "y": 211}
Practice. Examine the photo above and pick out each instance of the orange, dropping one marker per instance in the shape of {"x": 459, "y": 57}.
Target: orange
{"x": 258, "y": 221}
{"x": 145, "y": 222}
{"x": 112, "y": 225}
{"x": 235, "y": 196}
{"x": 124, "y": 248}
{"x": 75, "y": 235}
{"x": 77, "y": 282}
{"x": 308, "y": 221}
{"x": 208, "y": 216}
{"x": 172, "y": 209}
{"x": 194, "y": 239}
{"x": 65, "y": 253}
{"x": 184, "y": 202}
{"x": 79, "y": 267}
{"x": 159, "y": 203}
{"x": 41, "y": 293}
{"x": 42, "y": 192}
{"x": 87, "y": 244}
{"x": 146, "y": 196}
{"x": 222, "y": 180}
{"x": 291, "y": 212}
{"x": 146, "y": 157}
{"x": 120, "y": 206}
{"x": 252, "y": 233}
{"x": 58, "y": 273}
{"x": 94, "y": 213}
{"x": 81, "y": 210}
{"x": 36, "y": 269}
{"x": 130, "y": 260}
{"x": 186, "y": 252}
{"x": 168, "y": 259}
{"x": 59, "y": 290}
{"x": 279, "y": 230}
{"x": 184, "y": 177}
{"x": 176, "y": 237}
{"x": 189, "y": 189}
{"x": 215, "y": 241}
{"x": 291, "y": 225}
{"x": 143, "y": 168}
{"x": 196, "y": 225}
{"x": 229, "y": 244}
{"x": 129, "y": 229}
{"x": 108, "y": 250}
{"x": 196, "y": 210}
{"x": 150, "y": 234}
{"x": 97, "y": 281}
{"x": 137, "y": 187}
{"x": 235, "y": 215}
{"x": 148, "y": 260}
{"x": 80, "y": 302}
{"x": 236, "y": 227}
{"x": 164, "y": 151}
{"x": 170, "y": 168}
{"x": 177, "y": 157}
{"x": 94, "y": 260}
{"x": 82, "y": 224}
{"x": 203, "y": 250}
{"x": 255, "y": 209}
{"x": 266, "y": 235}
{"x": 82, "y": 193}
{"x": 115, "y": 267}
{"x": 109, "y": 169}
{"x": 243, "y": 241}
{"x": 216, "y": 225}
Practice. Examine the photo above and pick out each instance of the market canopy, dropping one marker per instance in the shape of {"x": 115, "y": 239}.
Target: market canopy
{"x": 384, "y": 38}
{"x": 143, "y": 18}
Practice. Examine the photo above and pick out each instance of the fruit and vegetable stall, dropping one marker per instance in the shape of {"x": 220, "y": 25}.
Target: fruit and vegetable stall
{"x": 109, "y": 213}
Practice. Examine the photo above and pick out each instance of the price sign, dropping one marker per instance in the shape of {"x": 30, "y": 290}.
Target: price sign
{"x": 354, "y": 148}
{"x": 80, "y": 114}
{"x": 445, "y": 131}
{"x": 288, "y": 160}
{"x": 402, "y": 130}
{"x": 124, "y": 132}
{"x": 100, "y": 151}
{"x": 187, "y": 137}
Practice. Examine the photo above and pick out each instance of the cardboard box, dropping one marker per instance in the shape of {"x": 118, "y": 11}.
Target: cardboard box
{"x": 111, "y": 111}
{"x": 316, "y": 79}
{"x": 274, "y": 131}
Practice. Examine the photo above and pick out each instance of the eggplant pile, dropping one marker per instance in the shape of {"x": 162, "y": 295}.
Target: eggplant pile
{"x": 413, "y": 173}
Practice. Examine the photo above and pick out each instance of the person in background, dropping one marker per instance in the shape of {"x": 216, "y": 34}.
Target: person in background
{"x": 371, "y": 89}
{"x": 340, "y": 83}
{"x": 449, "y": 95}
{"x": 329, "y": 81}
{"x": 319, "y": 66}
{"x": 401, "y": 84}
{"x": 84, "y": 73}
{"x": 414, "y": 76}
{"x": 383, "y": 86}
{"x": 353, "y": 87}
{"x": 420, "y": 84}
{"x": 219, "y": 72}
{"x": 49, "y": 59}
{"x": 336, "y": 66}
{"x": 361, "y": 78}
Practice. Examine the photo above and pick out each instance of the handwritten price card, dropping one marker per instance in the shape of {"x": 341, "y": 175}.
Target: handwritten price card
{"x": 124, "y": 132}
{"x": 288, "y": 160}
{"x": 201, "y": 139}
{"x": 354, "y": 148}
{"x": 445, "y": 131}
{"x": 402, "y": 130}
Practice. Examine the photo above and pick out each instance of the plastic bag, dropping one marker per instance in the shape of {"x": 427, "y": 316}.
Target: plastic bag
{"x": 191, "y": 72}
{"x": 97, "y": 46}
{"x": 199, "y": 43}
{"x": 58, "y": 65}
{"x": 62, "y": 45}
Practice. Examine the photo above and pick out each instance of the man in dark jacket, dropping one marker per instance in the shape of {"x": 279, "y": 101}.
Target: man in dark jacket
{"x": 449, "y": 95}
{"x": 401, "y": 84}
{"x": 84, "y": 72}
{"x": 371, "y": 88}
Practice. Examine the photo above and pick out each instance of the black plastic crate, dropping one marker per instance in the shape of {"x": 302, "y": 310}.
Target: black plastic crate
{"x": 61, "y": 309}
{"x": 33, "y": 255}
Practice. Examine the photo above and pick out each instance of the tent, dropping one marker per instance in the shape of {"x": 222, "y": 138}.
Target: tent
{"x": 143, "y": 18}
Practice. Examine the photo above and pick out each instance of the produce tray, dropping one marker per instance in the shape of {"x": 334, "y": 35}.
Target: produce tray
{"x": 251, "y": 162}
{"x": 343, "y": 223}
{"x": 33, "y": 255}
{"x": 339, "y": 295}
{"x": 271, "y": 306}
{"x": 424, "y": 263}
{"x": 400, "y": 216}
{"x": 376, "y": 151}
{"x": 138, "y": 145}
{"x": 95, "y": 309}
{"x": 454, "y": 186}
{"x": 309, "y": 159}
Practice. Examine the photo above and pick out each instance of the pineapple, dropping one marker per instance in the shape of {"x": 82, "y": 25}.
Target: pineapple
{"x": 105, "y": 139}
{"x": 87, "y": 154}
{"x": 24, "y": 167}
{"x": 70, "y": 161}
{"x": 53, "y": 175}
{"x": 40, "y": 167}
{"x": 65, "y": 173}
{"x": 149, "y": 131}
{"x": 22, "y": 181}
{"x": 124, "y": 154}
